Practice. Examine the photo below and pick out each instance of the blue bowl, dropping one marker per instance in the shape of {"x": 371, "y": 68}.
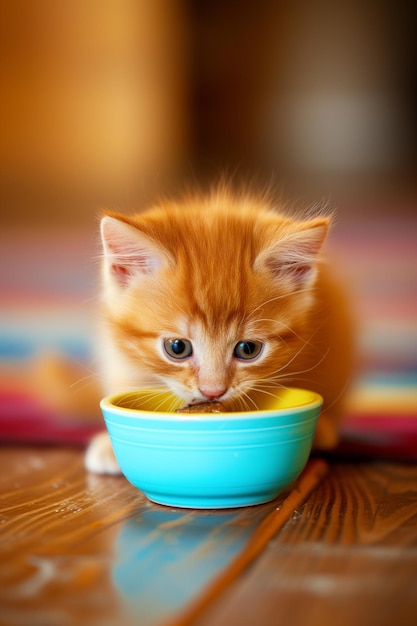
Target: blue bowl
{"x": 211, "y": 460}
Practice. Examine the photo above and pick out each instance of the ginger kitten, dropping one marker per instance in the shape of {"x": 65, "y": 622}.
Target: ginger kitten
{"x": 221, "y": 298}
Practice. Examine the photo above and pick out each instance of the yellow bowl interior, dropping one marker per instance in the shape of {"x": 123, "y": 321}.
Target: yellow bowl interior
{"x": 156, "y": 400}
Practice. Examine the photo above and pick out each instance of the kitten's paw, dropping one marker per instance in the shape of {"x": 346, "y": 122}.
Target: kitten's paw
{"x": 99, "y": 457}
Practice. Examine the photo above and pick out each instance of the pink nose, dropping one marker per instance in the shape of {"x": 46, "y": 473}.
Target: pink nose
{"x": 212, "y": 393}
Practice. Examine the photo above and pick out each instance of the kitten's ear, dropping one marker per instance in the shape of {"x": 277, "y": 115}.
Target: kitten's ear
{"x": 294, "y": 257}
{"x": 129, "y": 252}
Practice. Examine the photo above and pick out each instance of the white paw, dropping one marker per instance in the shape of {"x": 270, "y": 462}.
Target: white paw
{"x": 99, "y": 457}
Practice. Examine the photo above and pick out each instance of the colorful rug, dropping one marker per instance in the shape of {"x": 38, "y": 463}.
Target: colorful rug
{"x": 47, "y": 294}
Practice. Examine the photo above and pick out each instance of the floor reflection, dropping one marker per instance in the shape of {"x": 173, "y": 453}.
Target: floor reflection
{"x": 165, "y": 556}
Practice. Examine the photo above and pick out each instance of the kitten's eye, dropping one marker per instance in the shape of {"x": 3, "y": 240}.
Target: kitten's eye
{"x": 246, "y": 350}
{"x": 178, "y": 348}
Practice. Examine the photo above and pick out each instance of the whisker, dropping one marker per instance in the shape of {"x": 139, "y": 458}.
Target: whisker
{"x": 241, "y": 402}
{"x": 339, "y": 395}
{"x": 90, "y": 382}
{"x": 249, "y": 400}
{"x": 276, "y": 298}
{"x": 294, "y": 356}
{"x": 85, "y": 379}
{"x": 309, "y": 289}
{"x": 173, "y": 406}
{"x": 261, "y": 389}
{"x": 289, "y": 329}
{"x": 307, "y": 369}
{"x": 158, "y": 406}
{"x": 145, "y": 396}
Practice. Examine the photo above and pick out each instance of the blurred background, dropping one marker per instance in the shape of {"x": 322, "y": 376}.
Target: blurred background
{"x": 109, "y": 103}
{"x": 106, "y": 102}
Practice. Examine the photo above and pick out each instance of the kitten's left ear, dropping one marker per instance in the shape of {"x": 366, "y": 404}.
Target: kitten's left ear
{"x": 128, "y": 252}
{"x": 294, "y": 256}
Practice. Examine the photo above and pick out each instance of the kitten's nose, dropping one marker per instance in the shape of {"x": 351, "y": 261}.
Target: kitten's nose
{"x": 212, "y": 393}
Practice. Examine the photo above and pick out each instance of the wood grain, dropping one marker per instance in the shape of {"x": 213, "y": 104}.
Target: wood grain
{"x": 83, "y": 549}
{"x": 56, "y": 527}
{"x": 349, "y": 556}
{"x": 89, "y": 550}
{"x": 273, "y": 522}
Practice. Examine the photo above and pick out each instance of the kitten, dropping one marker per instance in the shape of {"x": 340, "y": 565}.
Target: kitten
{"x": 216, "y": 298}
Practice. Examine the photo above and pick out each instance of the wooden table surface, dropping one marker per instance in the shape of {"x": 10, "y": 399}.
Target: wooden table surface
{"x": 79, "y": 549}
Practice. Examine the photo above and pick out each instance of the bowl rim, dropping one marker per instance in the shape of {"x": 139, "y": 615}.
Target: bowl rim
{"x": 108, "y": 404}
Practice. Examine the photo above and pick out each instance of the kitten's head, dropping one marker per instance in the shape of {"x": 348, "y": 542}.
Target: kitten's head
{"x": 210, "y": 297}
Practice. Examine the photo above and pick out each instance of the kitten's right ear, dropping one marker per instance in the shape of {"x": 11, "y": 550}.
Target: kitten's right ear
{"x": 129, "y": 252}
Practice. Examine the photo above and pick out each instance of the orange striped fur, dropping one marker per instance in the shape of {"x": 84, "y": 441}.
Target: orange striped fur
{"x": 216, "y": 271}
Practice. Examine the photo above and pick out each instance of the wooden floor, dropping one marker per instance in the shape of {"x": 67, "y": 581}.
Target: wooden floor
{"x": 78, "y": 549}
